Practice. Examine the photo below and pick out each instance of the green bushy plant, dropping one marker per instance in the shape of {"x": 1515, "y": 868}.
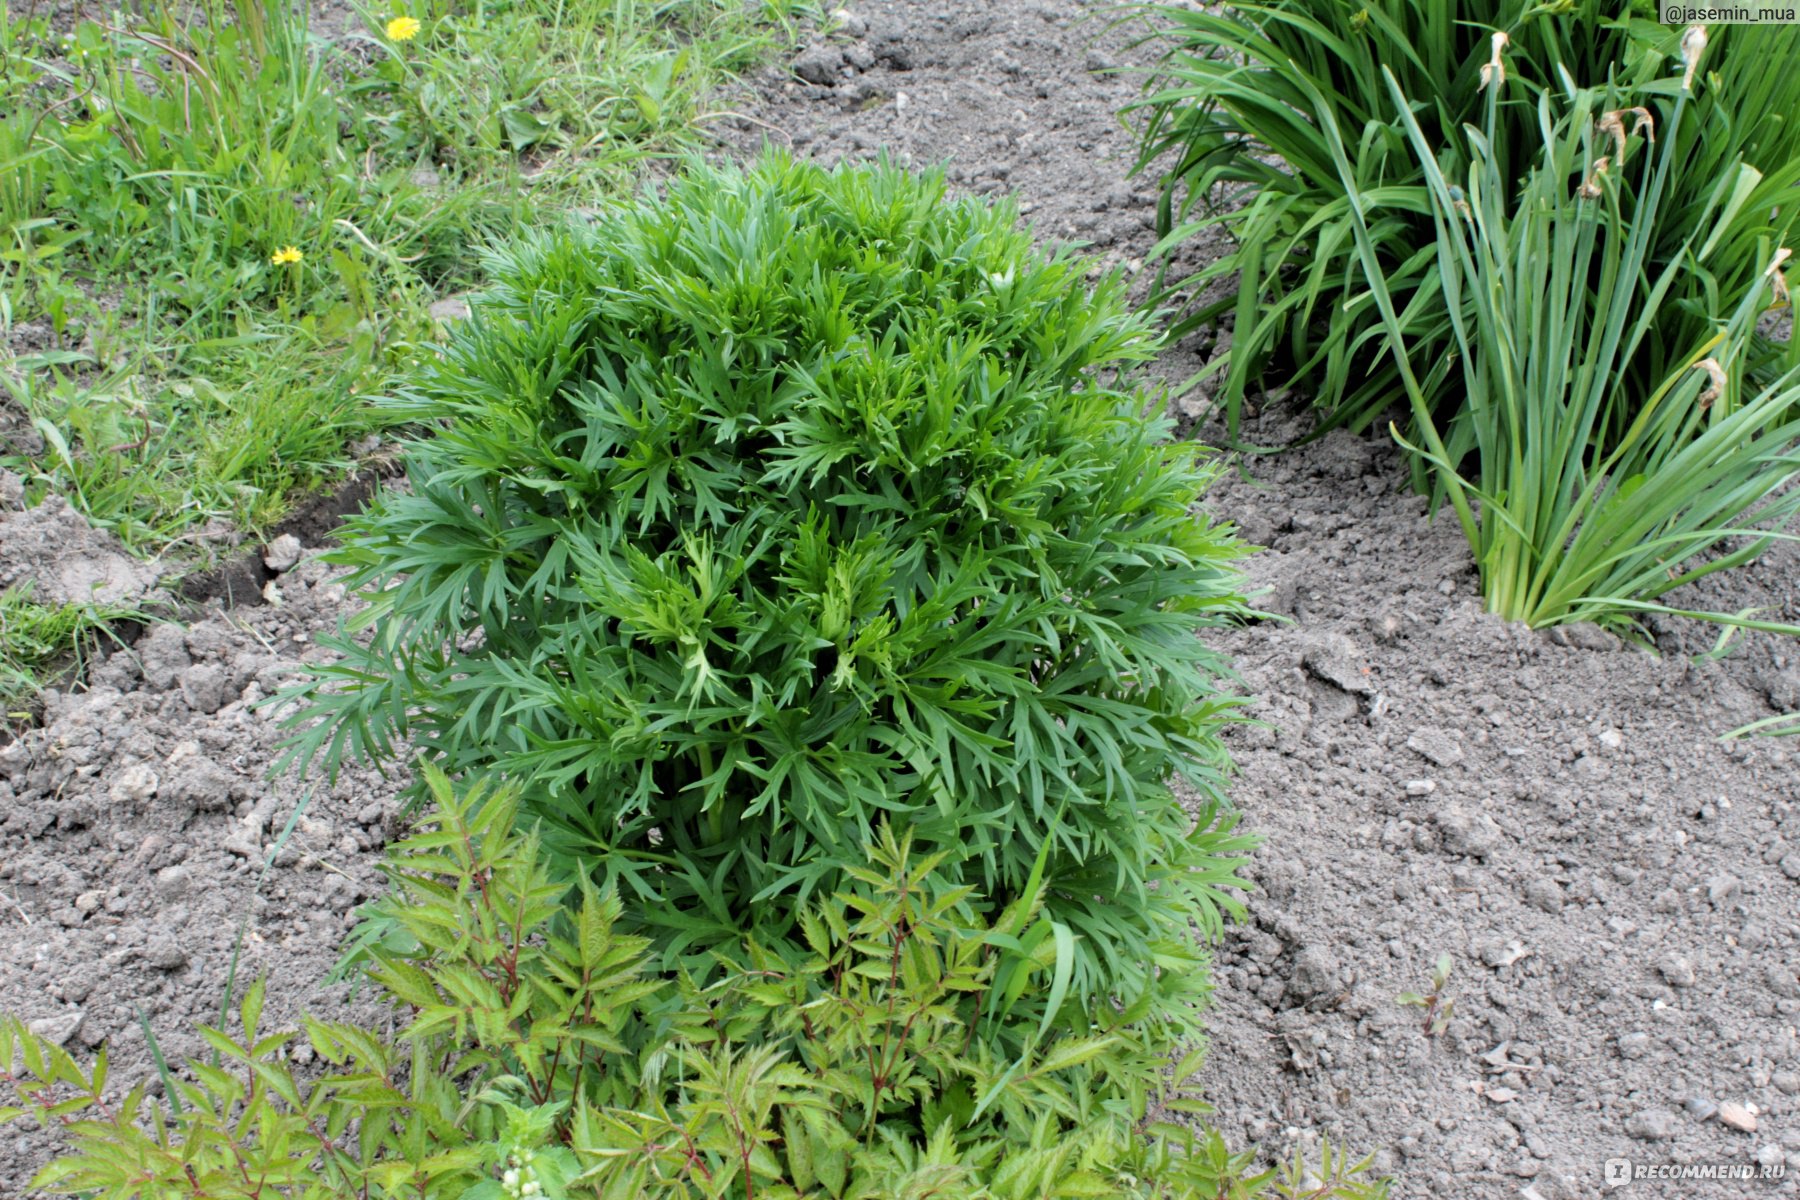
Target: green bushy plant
{"x": 1592, "y": 499}
{"x": 537, "y": 1057}
{"x": 786, "y": 503}
{"x": 1246, "y": 104}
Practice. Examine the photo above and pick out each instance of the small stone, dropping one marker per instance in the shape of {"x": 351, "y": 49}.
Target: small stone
{"x": 1737, "y": 1116}
{"x": 1786, "y": 1082}
{"x": 1701, "y": 1109}
{"x": 1098, "y": 62}
{"x": 1676, "y": 971}
{"x": 89, "y": 902}
{"x": 1612, "y": 739}
{"x": 165, "y": 955}
{"x": 1467, "y": 832}
{"x": 851, "y": 24}
{"x": 1634, "y": 1046}
{"x": 1436, "y": 746}
{"x": 449, "y": 310}
{"x": 1315, "y": 975}
{"x": 172, "y": 883}
{"x": 1790, "y": 866}
{"x": 282, "y": 553}
{"x": 56, "y": 1030}
{"x": 1721, "y": 888}
{"x": 1652, "y": 1124}
{"x": 134, "y": 785}
{"x": 1544, "y": 895}
{"x": 1421, "y": 787}
{"x": 1502, "y": 1095}
{"x": 204, "y": 687}
{"x": 1771, "y": 1156}
{"x": 1497, "y": 953}
{"x": 819, "y": 65}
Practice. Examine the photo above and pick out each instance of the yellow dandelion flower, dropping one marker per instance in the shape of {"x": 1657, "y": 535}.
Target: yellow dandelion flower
{"x": 286, "y": 255}
{"x": 403, "y": 29}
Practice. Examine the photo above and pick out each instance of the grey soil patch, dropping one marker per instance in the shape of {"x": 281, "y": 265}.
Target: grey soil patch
{"x": 1619, "y": 892}
{"x": 135, "y": 823}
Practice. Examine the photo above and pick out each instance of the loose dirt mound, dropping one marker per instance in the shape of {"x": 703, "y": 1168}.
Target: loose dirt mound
{"x": 135, "y": 829}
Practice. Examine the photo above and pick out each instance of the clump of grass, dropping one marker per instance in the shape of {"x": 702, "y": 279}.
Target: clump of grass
{"x": 40, "y": 642}
{"x": 1240, "y": 121}
{"x": 229, "y": 230}
{"x": 1595, "y": 492}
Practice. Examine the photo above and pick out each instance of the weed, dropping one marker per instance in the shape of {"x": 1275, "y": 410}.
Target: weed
{"x": 38, "y": 641}
{"x": 230, "y": 226}
{"x": 1438, "y": 1007}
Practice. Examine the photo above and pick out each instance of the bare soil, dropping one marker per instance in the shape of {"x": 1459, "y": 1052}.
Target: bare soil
{"x": 1618, "y": 891}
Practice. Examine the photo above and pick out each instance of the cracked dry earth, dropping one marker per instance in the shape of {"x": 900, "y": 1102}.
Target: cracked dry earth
{"x": 1618, "y": 892}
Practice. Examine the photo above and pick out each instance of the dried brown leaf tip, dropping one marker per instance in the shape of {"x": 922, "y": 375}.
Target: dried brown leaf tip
{"x": 1715, "y": 375}
{"x": 1590, "y": 188}
{"x": 1612, "y": 125}
{"x": 1493, "y": 72}
{"x": 1778, "y": 280}
{"x": 1693, "y": 47}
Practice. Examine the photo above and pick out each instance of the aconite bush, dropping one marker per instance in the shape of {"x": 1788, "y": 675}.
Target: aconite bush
{"x": 787, "y": 502}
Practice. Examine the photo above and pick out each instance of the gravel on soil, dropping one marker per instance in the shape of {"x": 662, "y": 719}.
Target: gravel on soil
{"x": 1618, "y": 892}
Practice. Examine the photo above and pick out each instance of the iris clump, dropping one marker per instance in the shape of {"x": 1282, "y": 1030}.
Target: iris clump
{"x": 788, "y": 503}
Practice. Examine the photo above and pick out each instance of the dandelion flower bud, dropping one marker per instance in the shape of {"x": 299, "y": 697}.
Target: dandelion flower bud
{"x": 1693, "y": 46}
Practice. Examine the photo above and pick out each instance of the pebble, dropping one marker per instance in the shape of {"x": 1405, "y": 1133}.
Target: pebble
{"x": 1421, "y": 787}
{"x": 1315, "y": 975}
{"x": 1700, "y": 1108}
{"x": 1436, "y": 746}
{"x": 56, "y": 1030}
{"x": 134, "y": 785}
{"x": 1634, "y": 1046}
{"x": 1771, "y": 1156}
{"x": 1474, "y": 834}
{"x": 1652, "y": 1124}
{"x": 1676, "y": 971}
{"x": 819, "y": 65}
{"x": 90, "y": 901}
{"x": 282, "y": 553}
{"x": 1786, "y": 1082}
{"x": 1544, "y": 895}
{"x": 1737, "y": 1116}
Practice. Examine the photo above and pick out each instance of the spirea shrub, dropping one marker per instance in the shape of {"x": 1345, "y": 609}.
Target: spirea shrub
{"x": 530, "y": 1052}
{"x": 787, "y": 502}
